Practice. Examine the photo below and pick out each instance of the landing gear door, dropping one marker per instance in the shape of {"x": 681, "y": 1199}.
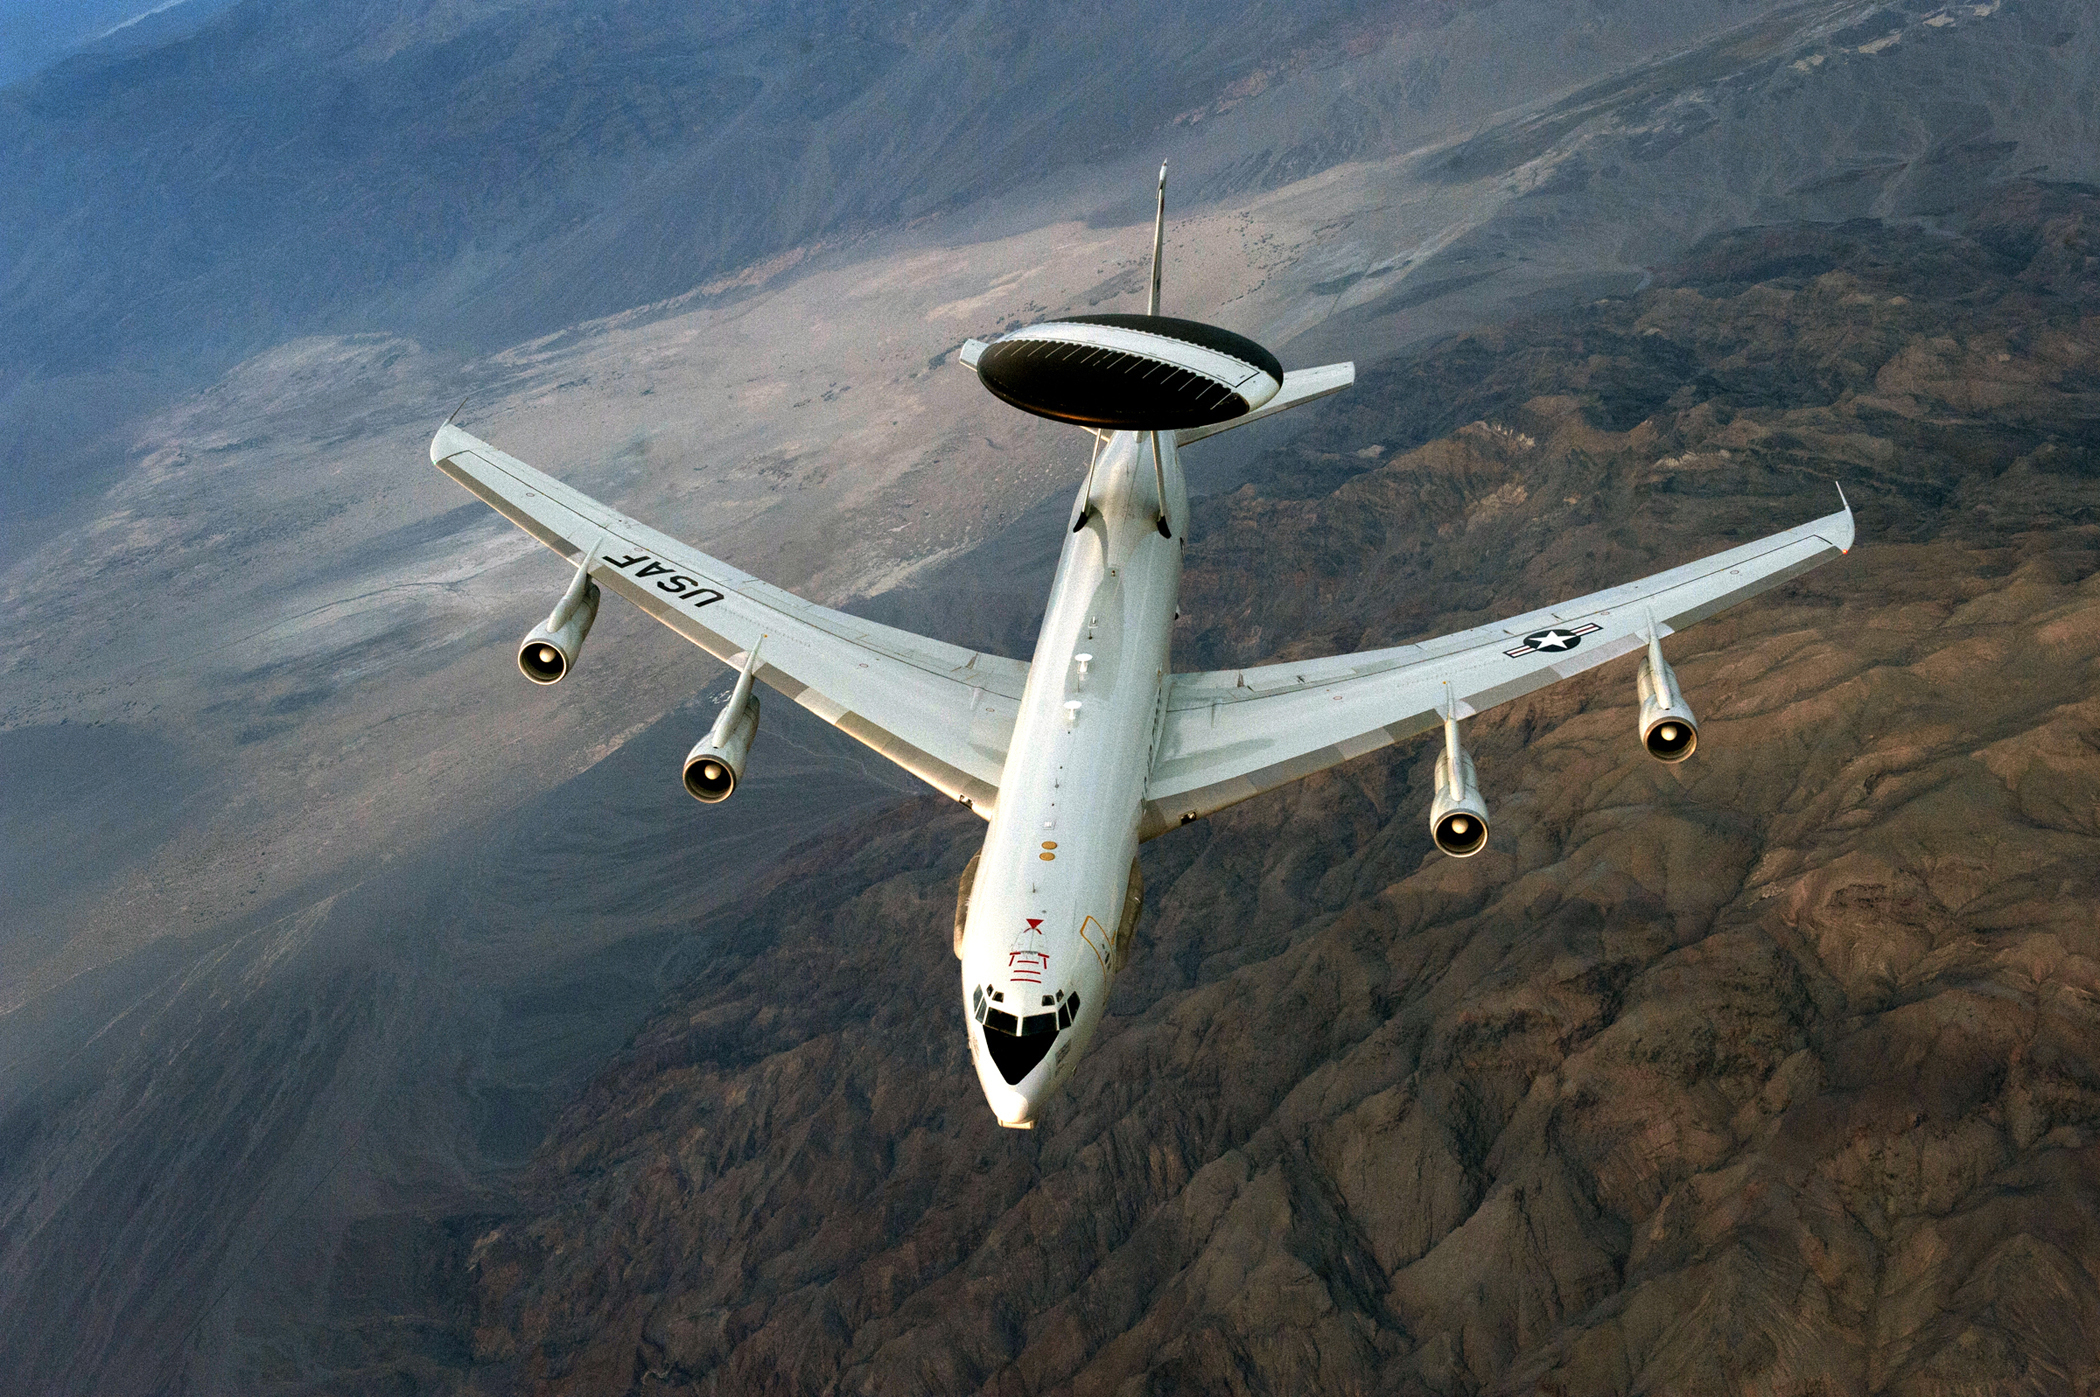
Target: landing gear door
{"x": 1126, "y": 929}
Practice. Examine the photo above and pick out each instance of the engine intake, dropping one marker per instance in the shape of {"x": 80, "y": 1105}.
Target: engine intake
{"x": 548, "y": 651}
{"x": 716, "y": 763}
{"x": 1668, "y": 729}
{"x": 1458, "y": 817}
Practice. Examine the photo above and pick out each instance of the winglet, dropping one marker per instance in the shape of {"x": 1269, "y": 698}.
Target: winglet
{"x": 456, "y": 411}
{"x": 1851, "y": 531}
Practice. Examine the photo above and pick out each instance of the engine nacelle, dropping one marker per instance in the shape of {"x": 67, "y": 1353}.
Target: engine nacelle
{"x": 716, "y": 763}
{"x": 1458, "y": 817}
{"x": 548, "y": 651}
{"x": 1668, "y": 729}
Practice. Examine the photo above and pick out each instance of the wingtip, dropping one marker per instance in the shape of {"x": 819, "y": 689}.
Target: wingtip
{"x": 437, "y": 451}
{"x": 1851, "y": 530}
{"x": 443, "y": 442}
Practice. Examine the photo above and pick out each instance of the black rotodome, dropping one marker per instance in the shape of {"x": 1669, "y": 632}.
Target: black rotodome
{"x": 1121, "y": 391}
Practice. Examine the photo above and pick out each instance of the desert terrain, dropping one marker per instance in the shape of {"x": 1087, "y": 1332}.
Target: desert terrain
{"x": 371, "y": 1021}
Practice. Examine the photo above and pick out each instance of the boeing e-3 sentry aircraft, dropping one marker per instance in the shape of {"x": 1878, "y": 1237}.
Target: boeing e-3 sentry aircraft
{"x": 1095, "y": 745}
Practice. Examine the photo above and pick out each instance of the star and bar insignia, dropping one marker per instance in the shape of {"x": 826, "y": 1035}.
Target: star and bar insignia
{"x": 1554, "y": 639}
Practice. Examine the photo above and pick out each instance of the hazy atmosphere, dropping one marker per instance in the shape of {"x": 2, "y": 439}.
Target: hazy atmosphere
{"x": 373, "y": 1021}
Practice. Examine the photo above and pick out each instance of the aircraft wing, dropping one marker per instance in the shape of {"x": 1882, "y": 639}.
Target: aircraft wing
{"x": 1232, "y": 734}
{"x": 941, "y": 712}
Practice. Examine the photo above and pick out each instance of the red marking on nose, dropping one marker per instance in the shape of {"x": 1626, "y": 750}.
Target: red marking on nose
{"x": 1035, "y": 923}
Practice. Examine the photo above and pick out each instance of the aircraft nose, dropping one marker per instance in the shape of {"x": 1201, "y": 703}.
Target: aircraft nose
{"x": 1014, "y": 1109}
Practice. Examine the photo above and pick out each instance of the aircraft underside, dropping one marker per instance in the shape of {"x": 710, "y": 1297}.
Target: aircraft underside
{"x": 1094, "y": 744}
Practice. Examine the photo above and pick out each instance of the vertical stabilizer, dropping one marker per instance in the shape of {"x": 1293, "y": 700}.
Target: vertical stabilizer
{"x": 1159, "y": 240}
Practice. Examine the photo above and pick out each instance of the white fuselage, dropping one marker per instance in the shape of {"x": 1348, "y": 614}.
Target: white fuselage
{"x": 1050, "y": 885}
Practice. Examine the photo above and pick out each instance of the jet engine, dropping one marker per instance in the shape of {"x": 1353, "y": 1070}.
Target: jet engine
{"x": 1668, "y": 729}
{"x": 716, "y": 763}
{"x": 548, "y": 651}
{"x": 1458, "y": 817}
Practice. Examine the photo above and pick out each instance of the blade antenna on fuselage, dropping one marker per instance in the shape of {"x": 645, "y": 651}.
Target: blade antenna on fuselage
{"x": 1159, "y": 477}
{"x": 1159, "y": 240}
{"x": 1086, "y": 496}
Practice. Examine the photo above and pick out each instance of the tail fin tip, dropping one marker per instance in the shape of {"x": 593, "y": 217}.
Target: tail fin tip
{"x": 1159, "y": 241}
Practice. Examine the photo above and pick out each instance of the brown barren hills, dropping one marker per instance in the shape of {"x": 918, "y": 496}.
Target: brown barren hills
{"x": 1776, "y": 1072}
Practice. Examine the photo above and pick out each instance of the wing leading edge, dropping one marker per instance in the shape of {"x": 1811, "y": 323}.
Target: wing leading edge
{"x": 1231, "y": 734}
{"x": 943, "y": 713}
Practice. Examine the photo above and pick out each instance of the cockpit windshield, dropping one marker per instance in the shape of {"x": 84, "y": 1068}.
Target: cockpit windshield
{"x": 1018, "y": 1042}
